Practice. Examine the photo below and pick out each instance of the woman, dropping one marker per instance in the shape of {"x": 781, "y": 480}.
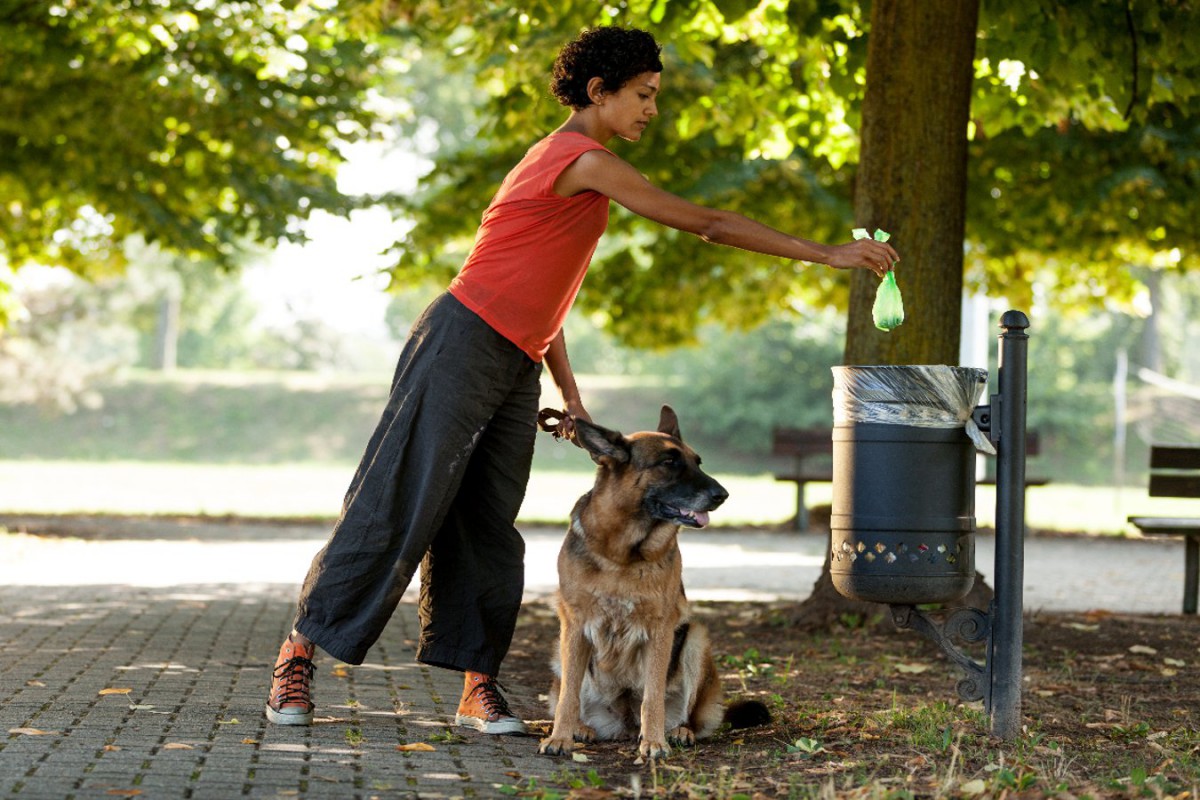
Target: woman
{"x": 445, "y": 471}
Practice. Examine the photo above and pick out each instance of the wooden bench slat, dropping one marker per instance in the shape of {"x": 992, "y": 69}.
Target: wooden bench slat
{"x": 1167, "y": 525}
{"x": 801, "y": 441}
{"x": 1174, "y": 457}
{"x": 1169, "y": 484}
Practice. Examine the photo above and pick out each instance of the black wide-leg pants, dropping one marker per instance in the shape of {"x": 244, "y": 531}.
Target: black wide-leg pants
{"x": 439, "y": 485}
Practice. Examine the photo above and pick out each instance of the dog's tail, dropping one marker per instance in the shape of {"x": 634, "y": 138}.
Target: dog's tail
{"x": 747, "y": 714}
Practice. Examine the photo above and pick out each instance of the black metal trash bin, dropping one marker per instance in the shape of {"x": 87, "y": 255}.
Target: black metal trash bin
{"x": 902, "y": 529}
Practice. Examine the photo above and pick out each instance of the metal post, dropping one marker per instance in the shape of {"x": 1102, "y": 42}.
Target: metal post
{"x": 1004, "y": 661}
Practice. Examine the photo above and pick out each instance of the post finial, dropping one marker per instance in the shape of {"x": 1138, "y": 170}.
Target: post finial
{"x": 1014, "y": 319}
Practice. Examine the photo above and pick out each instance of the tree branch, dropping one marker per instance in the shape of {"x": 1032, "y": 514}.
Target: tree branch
{"x": 1133, "y": 97}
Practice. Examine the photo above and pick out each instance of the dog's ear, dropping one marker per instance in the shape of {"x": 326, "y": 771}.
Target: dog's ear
{"x": 601, "y": 443}
{"x": 668, "y": 423}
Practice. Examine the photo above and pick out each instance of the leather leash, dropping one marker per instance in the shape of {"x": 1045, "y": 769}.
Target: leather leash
{"x": 544, "y": 418}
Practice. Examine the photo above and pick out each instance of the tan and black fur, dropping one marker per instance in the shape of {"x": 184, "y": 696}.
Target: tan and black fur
{"x": 631, "y": 660}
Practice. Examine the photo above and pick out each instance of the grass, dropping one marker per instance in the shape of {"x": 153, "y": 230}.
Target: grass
{"x": 285, "y": 445}
{"x": 1118, "y": 726}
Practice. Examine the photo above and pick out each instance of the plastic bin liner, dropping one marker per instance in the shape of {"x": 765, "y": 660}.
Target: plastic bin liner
{"x": 935, "y": 396}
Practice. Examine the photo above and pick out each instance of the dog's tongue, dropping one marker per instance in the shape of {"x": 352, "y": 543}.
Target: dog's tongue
{"x": 701, "y": 518}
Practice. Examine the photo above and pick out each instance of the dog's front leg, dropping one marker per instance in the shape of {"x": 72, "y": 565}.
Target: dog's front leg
{"x": 653, "y": 737}
{"x": 574, "y": 653}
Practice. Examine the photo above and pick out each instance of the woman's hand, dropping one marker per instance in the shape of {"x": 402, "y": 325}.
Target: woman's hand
{"x": 574, "y": 410}
{"x": 879, "y": 257}
{"x": 561, "y": 424}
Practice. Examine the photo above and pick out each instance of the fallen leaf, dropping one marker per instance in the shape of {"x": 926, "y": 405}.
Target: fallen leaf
{"x": 1107, "y": 659}
{"x": 340, "y": 671}
{"x": 1168, "y": 673}
{"x": 973, "y": 787}
{"x": 912, "y": 669}
{"x": 1174, "y": 662}
{"x": 420, "y": 747}
{"x": 234, "y": 721}
{"x": 177, "y": 746}
{"x": 139, "y": 707}
{"x": 30, "y": 732}
{"x": 249, "y": 741}
{"x": 111, "y": 748}
{"x": 104, "y": 692}
{"x": 38, "y": 684}
{"x": 124, "y": 792}
{"x": 1079, "y": 626}
{"x": 1143, "y": 650}
{"x": 580, "y": 757}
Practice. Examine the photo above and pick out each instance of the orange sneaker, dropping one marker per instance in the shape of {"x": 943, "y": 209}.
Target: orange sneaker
{"x": 483, "y": 707}
{"x": 290, "y": 702}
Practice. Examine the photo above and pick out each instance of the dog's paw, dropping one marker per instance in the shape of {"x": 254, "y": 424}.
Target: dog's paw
{"x": 682, "y": 736}
{"x": 585, "y": 734}
{"x": 649, "y": 749}
{"x": 551, "y": 746}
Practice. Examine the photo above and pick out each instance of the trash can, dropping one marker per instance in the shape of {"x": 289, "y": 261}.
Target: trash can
{"x": 902, "y": 529}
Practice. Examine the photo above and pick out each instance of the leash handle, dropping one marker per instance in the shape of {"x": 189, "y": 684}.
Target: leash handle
{"x": 544, "y": 418}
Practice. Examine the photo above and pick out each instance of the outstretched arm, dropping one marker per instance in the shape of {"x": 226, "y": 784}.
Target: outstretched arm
{"x": 603, "y": 172}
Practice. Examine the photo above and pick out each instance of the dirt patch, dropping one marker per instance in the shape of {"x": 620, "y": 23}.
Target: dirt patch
{"x": 1111, "y": 708}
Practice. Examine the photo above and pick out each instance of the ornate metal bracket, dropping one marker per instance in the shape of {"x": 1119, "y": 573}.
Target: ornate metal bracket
{"x": 965, "y": 624}
{"x": 987, "y": 418}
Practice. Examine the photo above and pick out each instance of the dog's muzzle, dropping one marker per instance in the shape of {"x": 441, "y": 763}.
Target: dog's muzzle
{"x": 692, "y": 514}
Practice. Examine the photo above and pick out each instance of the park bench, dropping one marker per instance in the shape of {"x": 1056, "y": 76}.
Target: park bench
{"x": 811, "y": 451}
{"x": 1175, "y": 472}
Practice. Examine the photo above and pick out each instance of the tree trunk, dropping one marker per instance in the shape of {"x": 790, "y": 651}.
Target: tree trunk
{"x": 912, "y": 175}
{"x": 912, "y": 183}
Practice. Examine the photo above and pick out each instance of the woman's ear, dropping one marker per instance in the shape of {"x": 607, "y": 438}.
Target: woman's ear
{"x": 595, "y": 91}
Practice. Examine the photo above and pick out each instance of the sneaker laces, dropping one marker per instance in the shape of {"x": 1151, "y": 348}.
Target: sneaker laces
{"x": 294, "y": 676}
{"x": 490, "y": 698}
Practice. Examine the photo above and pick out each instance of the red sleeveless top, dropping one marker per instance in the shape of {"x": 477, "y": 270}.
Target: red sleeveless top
{"x": 533, "y": 247}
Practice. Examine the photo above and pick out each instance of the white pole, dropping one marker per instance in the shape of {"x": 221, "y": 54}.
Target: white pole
{"x": 1120, "y": 408}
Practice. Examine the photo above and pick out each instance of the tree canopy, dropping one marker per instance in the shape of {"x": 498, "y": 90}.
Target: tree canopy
{"x": 1083, "y": 146}
{"x": 208, "y": 124}
{"x": 198, "y": 125}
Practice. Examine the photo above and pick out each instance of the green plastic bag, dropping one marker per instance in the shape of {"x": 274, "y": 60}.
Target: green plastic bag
{"x": 888, "y": 310}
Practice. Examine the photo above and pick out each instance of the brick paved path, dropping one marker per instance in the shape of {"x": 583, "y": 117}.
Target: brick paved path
{"x": 193, "y": 669}
{"x": 188, "y": 638}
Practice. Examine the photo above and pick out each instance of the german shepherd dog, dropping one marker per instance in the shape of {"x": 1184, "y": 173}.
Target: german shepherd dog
{"x": 630, "y": 659}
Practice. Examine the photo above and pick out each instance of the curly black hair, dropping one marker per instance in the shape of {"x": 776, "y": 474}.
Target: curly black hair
{"x": 611, "y": 53}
